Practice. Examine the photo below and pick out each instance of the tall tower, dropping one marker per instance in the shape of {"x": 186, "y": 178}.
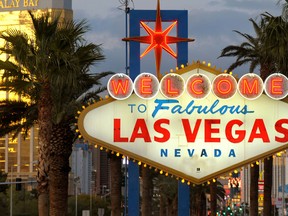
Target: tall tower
{"x": 18, "y": 156}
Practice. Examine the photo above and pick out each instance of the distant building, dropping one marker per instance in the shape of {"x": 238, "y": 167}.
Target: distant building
{"x": 89, "y": 170}
{"x": 102, "y": 172}
{"x": 81, "y": 167}
{"x": 18, "y": 155}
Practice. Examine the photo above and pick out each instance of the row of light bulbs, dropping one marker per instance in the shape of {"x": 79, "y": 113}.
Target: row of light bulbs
{"x": 279, "y": 154}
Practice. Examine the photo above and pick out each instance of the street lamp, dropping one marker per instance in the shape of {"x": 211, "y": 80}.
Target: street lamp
{"x": 11, "y": 192}
{"x": 91, "y": 189}
{"x": 283, "y": 183}
{"x": 76, "y": 182}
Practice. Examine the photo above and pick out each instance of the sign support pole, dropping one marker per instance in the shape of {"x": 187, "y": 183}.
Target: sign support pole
{"x": 133, "y": 189}
{"x": 182, "y": 50}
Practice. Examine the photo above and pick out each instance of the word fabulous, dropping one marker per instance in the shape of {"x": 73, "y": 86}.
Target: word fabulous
{"x": 198, "y": 86}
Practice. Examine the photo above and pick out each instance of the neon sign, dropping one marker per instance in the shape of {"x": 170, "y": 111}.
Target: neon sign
{"x": 158, "y": 39}
{"x": 198, "y": 86}
{"x": 180, "y": 126}
{"x": 191, "y": 119}
{"x": 211, "y": 131}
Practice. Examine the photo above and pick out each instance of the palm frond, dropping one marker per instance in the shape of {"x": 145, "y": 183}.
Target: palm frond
{"x": 57, "y": 58}
{"x": 16, "y": 116}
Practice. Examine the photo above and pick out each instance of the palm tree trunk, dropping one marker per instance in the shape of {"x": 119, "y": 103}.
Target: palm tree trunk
{"x": 60, "y": 151}
{"x": 194, "y": 202}
{"x": 268, "y": 169}
{"x": 162, "y": 208}
{"x": 175, "y": 205}
{"x": 213, "y": 198}
{"x": 115, "y": 168}
{"x": 147, "y": 192}
{"x": 265, "y": 71}
{"x": 172, "y": 206}
{"x": 198, "y": 201}
{"x": 254, "y": 175}
{"x": 203, "y": 205}
{"x": 45, "y": 130}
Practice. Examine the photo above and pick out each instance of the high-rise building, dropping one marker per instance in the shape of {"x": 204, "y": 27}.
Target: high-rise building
{"x": 18, "y": 154}
{"x": 81, "y": 167}
{"x": 102, "y": 164}
{"x": 89, "y": 170}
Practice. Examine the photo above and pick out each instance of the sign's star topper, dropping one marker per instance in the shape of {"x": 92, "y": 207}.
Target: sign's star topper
{"x": 158, "y": 39}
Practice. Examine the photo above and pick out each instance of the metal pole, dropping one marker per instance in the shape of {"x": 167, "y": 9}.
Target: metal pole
{"x": 11, "y": 193}
{"x": 91, "y": 193}
{"x": 76, "y": 182}
{"x": 244, "y": 189}
{"x": 127, "y": 9}
{"x": 283, "y": 184}
{"x": 125, "y": 186}
{"x": 76, "y": 201}
{"x": 274, "y": 184}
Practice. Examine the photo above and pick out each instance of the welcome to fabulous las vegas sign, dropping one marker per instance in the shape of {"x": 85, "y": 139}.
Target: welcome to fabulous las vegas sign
{"x": 196, "y": 124}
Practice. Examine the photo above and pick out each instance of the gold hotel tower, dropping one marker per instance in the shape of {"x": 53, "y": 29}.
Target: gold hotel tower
{"x": 18, "y": 156}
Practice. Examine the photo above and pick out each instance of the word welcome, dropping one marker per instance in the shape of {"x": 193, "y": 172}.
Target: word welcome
{"x": 198, "y": 86}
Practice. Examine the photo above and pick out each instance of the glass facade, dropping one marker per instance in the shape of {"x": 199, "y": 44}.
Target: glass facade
{"x": 18, "y": 153}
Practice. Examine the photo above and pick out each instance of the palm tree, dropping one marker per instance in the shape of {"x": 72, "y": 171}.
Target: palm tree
{"x": 254, "y": 176}
{"x": 268, "y": 182}
{"x": 116, "y": 176}
{"x": 63, "y": 135}
{"x": 29, "y": 61}
{"x": 251, "y": 52}
{"x": 166, "y": 188}
{"x": 217, "y": 192}
{"x": 147, "y": 176}
{"x": 50, "y": 70}
{"x": 268, "y": 50}
{"x": 199, "y": 199}
{"x": 275, "y": 38}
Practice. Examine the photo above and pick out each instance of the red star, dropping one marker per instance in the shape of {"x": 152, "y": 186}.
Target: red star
{"x": 158, "y": 39}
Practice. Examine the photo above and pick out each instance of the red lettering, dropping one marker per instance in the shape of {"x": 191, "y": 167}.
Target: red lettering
{"x": 194, "y": 86}
{"x": 170, "y": 89}
{"x": 262, "y": 134}
{"x": 117, "y": 132}
{"x": 280, "y": 129}
{"x": 240, "y": 133}
{"x": 159, "y": 129}
{"x": 145, "y": 85}
{"x": 209, "y": 130}
{"x": 224, "y": 86}
{"x": 247, "y": 89}
{"x": 120, "y": 87}
{"x": 191, "y": 135}
{"x": 140, "y": 131}
{"x": 277, "y": 86}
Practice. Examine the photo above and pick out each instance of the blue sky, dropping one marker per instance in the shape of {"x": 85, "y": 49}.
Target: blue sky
{"x": 210, "y": 23}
